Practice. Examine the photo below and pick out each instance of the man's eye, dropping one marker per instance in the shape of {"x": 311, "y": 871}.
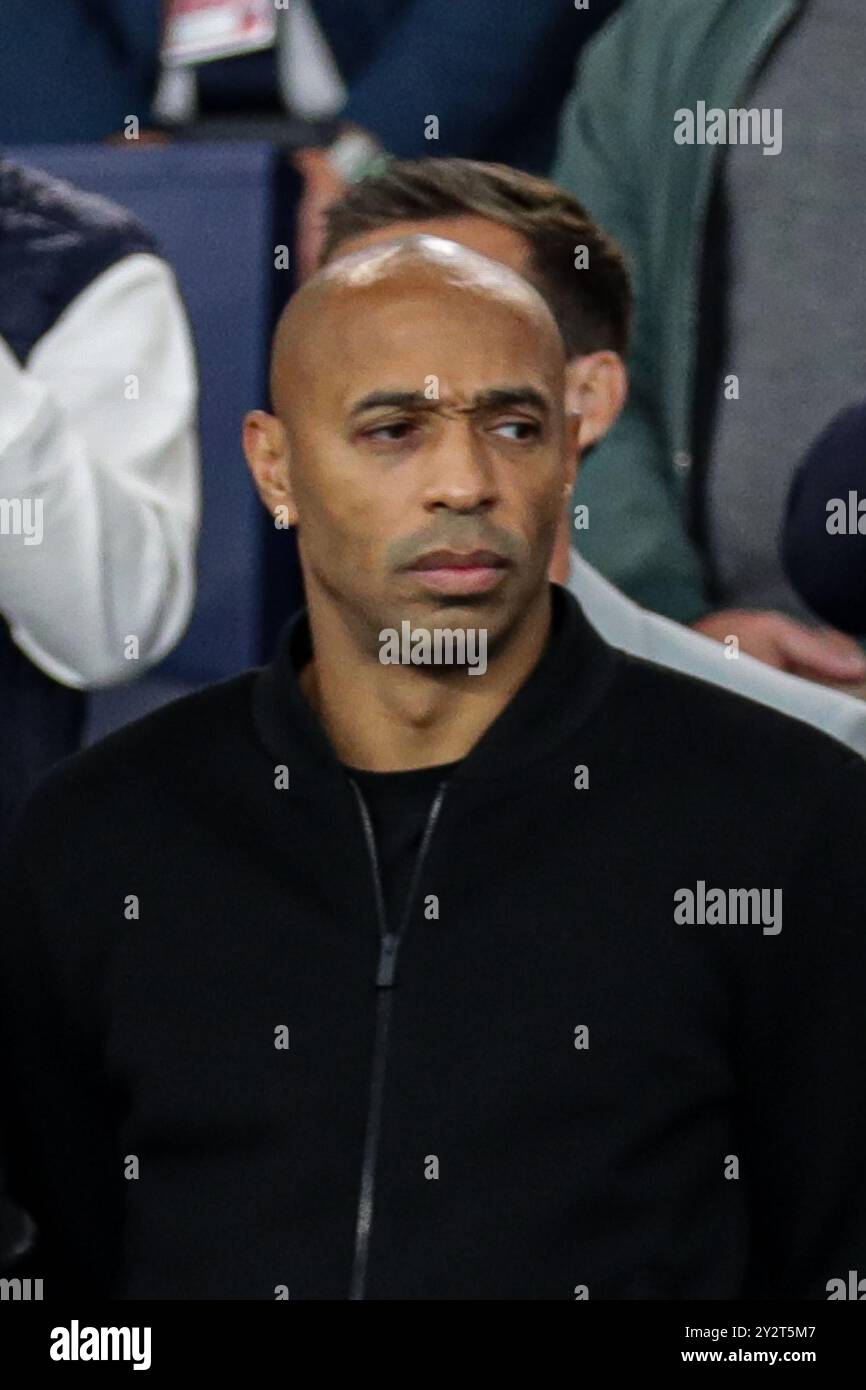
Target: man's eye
{"x": 389, "y": 432}
{"x": 527, "y": 429}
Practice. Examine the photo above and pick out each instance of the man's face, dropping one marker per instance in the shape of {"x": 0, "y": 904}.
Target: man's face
{"x": 430, "y": 457}
{"x": 503, "y": 244}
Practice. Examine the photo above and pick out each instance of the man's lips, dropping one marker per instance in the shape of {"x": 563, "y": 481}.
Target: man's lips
{"x": 459, "y": 560}
{"x": 460, "y": 572}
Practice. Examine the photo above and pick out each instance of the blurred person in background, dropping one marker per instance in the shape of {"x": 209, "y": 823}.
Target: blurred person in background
{"x": 746, "y": 234}
{"x": 84, "y": 299}
{"x": 99, "y": 475}
{"x": 73, "y": 71}
{"x": 824, "y": 536}
{"x": 459, "y": 77}
{"x": 533, "y": 226}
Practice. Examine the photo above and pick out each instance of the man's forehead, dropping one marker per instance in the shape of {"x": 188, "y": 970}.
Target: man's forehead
{"x": 432, "y": 304}
{"x": 421, "y": 289}
{"x": 406, "y": 360}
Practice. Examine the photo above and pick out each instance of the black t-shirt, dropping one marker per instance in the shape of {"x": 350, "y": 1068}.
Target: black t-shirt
{"x": 399, "y": 804}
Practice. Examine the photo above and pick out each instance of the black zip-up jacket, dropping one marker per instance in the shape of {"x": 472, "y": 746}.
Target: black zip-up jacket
{"x": 225, "y": 1074}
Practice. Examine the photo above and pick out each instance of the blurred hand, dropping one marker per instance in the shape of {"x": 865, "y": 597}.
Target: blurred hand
{"x": 322, "y": 187}
{"x": 818, "y": 654}
{"x": 144, "y": 137}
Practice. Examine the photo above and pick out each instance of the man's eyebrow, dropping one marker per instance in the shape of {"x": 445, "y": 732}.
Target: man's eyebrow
{"x": 498, "y": 396}
{"x": 403, "y": 400}
{"x": 495, "y": 398}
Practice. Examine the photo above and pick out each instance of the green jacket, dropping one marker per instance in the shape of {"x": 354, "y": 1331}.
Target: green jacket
{"x": 617, "y": 155}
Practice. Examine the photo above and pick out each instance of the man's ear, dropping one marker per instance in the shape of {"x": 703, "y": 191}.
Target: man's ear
{"x": 268, "y": 456}
{"x": 596, "y": 386}
{"x": 560, "y": 560}
{"x": 573, "y": 447}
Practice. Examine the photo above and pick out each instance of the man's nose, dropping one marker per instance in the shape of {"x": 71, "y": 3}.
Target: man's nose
{"x": 461, "y": 473}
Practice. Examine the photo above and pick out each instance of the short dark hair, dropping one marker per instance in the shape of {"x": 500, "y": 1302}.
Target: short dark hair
{"x": 592, "y": 306}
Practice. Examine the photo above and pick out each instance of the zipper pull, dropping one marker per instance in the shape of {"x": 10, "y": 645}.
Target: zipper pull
{"x": 387, "y": 961}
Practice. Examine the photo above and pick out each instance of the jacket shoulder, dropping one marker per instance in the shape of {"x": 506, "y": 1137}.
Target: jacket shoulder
{"x": 136, "y": 767}
{"x": 55, "y": 240}
{"x": 35, "y": 204}
{"x": 704, "y": 722}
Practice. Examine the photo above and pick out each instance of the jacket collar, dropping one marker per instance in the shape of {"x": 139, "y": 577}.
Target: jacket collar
{"x": 563, "y": 690}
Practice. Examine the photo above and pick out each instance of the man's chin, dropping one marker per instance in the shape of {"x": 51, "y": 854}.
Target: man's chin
{"x": 492, "y": 613}
{"x": 455, "y": 610}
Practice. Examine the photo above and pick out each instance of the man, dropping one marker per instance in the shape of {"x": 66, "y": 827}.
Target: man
{"x": 541, "y": 231}
{"x": 749, "y": 330}
{"x": 386, "y": 981}
{"x": 99, "y": 471}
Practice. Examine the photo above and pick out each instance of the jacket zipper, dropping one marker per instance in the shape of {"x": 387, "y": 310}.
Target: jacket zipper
{"x": 386, "y": 967}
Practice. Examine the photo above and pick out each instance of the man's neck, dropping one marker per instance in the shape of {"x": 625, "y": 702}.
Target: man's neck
{"x": 395, "y": 718}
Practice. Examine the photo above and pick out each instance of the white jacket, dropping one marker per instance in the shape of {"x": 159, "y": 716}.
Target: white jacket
{"x": 99, "y": 425}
